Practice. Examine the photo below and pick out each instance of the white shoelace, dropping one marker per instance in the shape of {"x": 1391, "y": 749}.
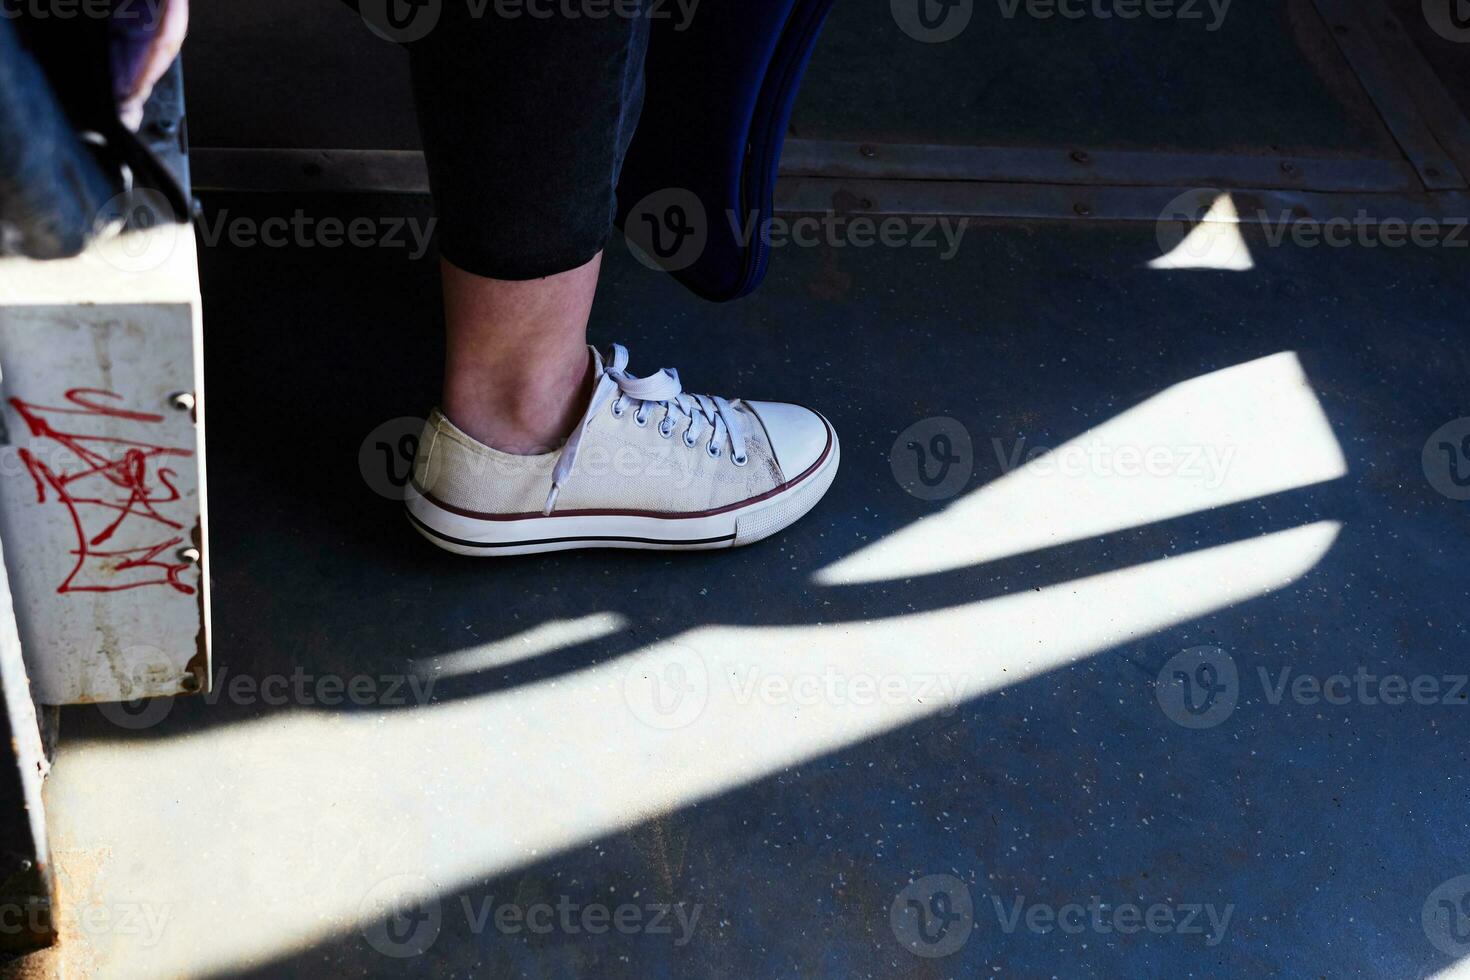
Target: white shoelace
{"x": 663, "y": 390}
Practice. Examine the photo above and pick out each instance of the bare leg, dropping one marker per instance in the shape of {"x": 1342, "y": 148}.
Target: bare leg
{"x": 516, "y": 366}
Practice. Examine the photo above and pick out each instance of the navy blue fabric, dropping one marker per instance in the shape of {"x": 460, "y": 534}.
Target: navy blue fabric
{"x": 56, "y": 81}
{"x": 719, "y": 98}
{"x": 526, "y": 125}
{"x": 51, "y": 187}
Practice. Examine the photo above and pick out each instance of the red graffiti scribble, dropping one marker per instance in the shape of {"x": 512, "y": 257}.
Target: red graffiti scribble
{"x": 121, "y": 485}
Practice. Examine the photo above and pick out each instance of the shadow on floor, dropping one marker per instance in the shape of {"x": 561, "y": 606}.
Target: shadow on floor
{"x": 1323, "y": 828}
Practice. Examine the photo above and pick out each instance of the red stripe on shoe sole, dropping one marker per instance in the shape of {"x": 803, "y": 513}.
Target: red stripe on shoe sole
{"x": 580, "y": 537}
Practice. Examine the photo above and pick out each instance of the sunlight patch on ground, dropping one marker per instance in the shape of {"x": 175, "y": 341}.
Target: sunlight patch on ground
{"x": 268, "y": 836}
{"x": 1244, "y": 432}
{"x": 557, "y": 634}
{"x": 1214, "y": 243}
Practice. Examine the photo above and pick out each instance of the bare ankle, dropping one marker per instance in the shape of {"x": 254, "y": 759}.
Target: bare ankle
{"x": 523, "y": 412}
{"x": 516, "y": 364}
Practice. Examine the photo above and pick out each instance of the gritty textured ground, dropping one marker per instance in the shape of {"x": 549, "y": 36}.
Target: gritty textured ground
{"x": 1322, "y": 829}
{"x": 660, "y": 735}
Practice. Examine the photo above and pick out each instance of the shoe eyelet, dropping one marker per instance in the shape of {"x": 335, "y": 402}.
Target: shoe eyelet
{"x": 666, "y": 430}
{"x": 642, "y": 423}
{"x": 713, "y": 451}
{"x": 618, "y": 413}
{"x": 688, "y": 442}
{"x": 739, "y": 460}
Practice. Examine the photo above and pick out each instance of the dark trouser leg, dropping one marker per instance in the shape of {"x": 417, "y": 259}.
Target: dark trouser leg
{"x": 525, "y": 121}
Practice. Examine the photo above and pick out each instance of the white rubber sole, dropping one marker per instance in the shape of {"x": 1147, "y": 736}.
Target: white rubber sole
{"x": 483, "y": 536}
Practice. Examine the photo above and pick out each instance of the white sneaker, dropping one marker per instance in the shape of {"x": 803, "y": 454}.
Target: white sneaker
{"x": 648, "y": 466}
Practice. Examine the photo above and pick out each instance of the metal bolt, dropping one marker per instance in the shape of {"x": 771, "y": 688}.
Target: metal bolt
{"x": 182, "y": 400}
{"x": 190, "y": 555}
{"x": 1080, "y": 156}
{"x": 1082, "y": 209}
{"x": 867, "y": 151}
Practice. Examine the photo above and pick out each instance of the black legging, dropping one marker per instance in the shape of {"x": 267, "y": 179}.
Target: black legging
{"x": 525, "y": 120}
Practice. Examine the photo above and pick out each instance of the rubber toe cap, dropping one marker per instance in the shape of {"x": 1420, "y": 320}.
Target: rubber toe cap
{"x": 798, "y": 436}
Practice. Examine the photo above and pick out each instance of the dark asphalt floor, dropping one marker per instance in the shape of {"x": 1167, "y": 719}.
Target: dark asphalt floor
{"x": 1324, "y": 828}
{"x": 1325, "y": 839}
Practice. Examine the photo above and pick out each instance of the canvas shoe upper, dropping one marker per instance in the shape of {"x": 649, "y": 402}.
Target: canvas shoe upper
{"x": 648, "y": 465}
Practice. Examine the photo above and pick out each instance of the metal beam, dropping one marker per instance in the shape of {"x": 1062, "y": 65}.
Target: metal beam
{"x": 814, "y": 195}
{"x": 1439, "y": 110}
{"x": 294, "y": 171}
{"x": 1062, "y": 165}
{"x": 403, "y": 171}
{"x": 27, "y": 880}
{"x": 872, "y": 188}
{"x": 1355, "y": 34}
